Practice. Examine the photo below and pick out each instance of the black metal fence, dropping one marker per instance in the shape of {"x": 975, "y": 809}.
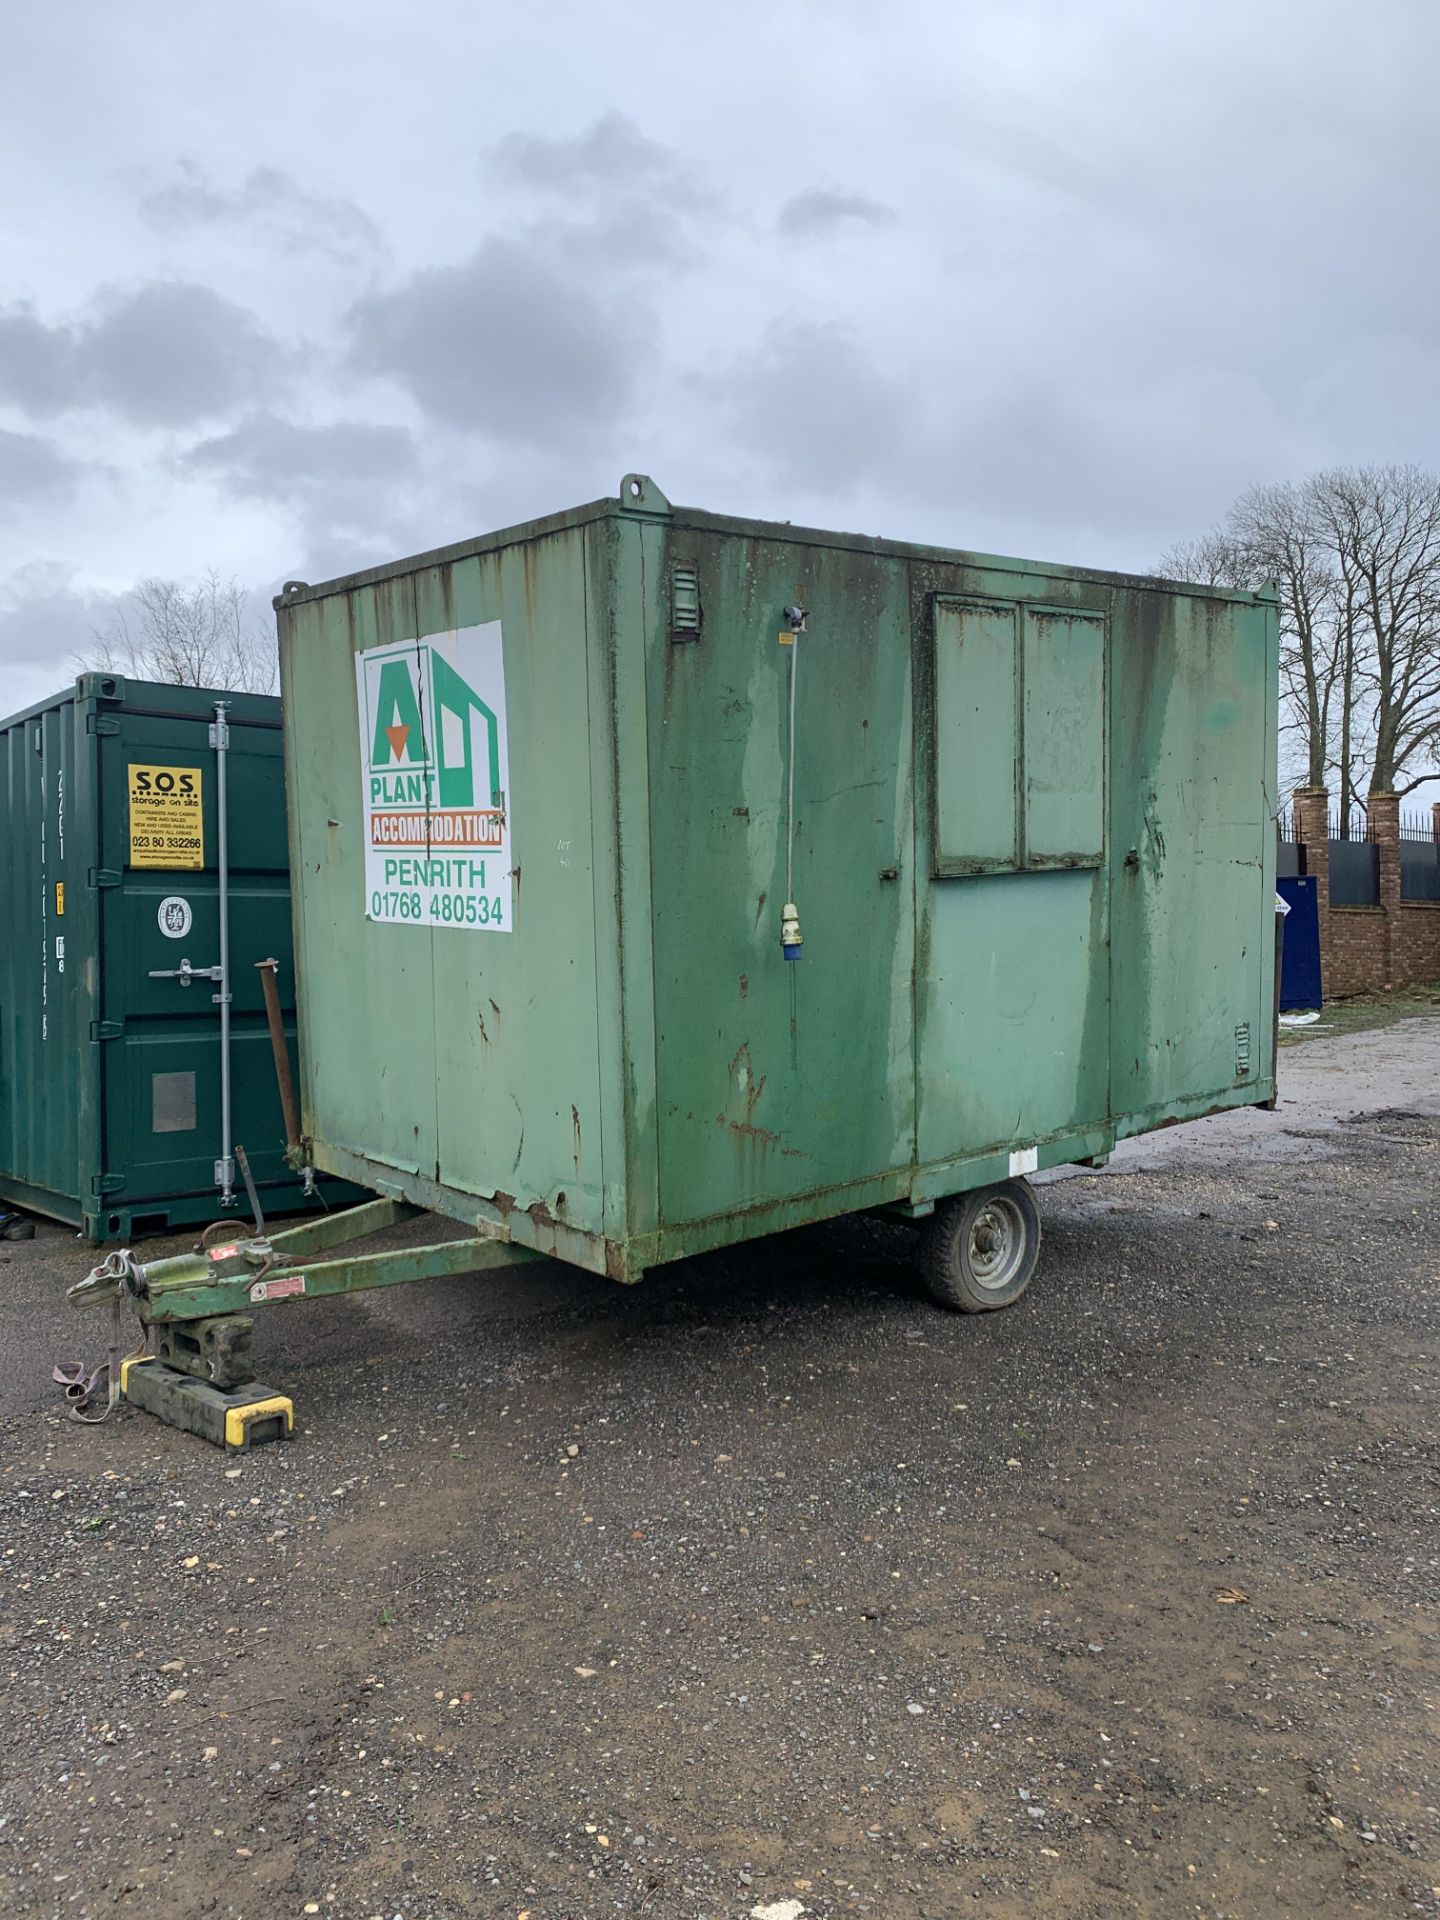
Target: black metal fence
{"x": 1349, "y": 826}
{"x": 1354, "y": 862}
{"x": 1355, "y": 858}
{"x": 1289, "y": 857}
{"x": 1419, "y": 858}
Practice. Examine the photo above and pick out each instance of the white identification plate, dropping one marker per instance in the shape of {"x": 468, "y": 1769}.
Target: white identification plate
{"x": 435, "y": 769}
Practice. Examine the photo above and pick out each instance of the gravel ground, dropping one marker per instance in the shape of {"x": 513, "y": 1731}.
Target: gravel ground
{"x": 767, "y": 1585}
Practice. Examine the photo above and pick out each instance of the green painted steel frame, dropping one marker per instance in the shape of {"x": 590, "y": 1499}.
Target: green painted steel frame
{"x": 334, "y": 1229}
{"x": 190, "y": 1286}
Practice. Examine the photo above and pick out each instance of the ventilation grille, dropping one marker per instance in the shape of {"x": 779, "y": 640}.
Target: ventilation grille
{"x": 684, "y": 603}
{"x": 1242, "y": 1051}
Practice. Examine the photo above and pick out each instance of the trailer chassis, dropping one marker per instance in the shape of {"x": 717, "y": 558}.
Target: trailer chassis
{"x": 196, "y": 1372}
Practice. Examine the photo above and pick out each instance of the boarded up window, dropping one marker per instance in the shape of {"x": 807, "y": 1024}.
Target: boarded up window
{"x": 976, "y": 729}
{"x": 1064, "y": 738}
{"x": 1019, "y": 737}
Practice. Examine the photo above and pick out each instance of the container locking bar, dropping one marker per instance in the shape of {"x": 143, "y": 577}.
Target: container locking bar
{"x": 185, "y": 973}
{"x": 220, "y": 741}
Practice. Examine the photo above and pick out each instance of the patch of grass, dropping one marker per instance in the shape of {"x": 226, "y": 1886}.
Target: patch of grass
{"x": 1363, "y": 1011}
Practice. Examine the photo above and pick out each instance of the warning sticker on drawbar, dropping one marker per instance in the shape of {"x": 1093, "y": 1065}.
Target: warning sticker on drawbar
{"x": 285, "y": 1288}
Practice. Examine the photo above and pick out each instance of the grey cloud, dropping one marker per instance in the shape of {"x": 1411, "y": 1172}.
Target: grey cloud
{"x": 613, "y": 199}
{"x": 165, "y": 355}
{"x": 32, "y": 470}
{"x": 813, "y": 402}
{"x": 1022, "y": 463}
{"x": 272, "y": 205}
{"x": 636, "y": 238}
{"x": 344, "y": 479}
{"x": 824, "y": 210}
{"x": 509, "y": 343}
{"x": 45, "y": 620}
{"x": 37, "y": 363}
{"x": 610, "y": 155}
{"x": 267, "y": 458}
{"x": 170, "y": 353}
{"x": 1125, "y": 280}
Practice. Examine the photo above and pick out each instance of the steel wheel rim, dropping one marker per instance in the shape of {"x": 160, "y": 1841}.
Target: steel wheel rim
{"x": 996, "y": 1244}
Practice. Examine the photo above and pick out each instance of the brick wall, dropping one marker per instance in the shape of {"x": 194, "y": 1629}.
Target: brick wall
{"x": 1368, "y": 949}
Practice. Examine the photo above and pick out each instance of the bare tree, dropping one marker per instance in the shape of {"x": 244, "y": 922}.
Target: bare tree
{"x": 1268, "y": 536}
{"x": 1216, "y": 559}
{"x": 1383, "y": 525}
{"x": 189, "y": 634}
{"x": 1284, "y": 540}
{"x": 1355, "y": 554}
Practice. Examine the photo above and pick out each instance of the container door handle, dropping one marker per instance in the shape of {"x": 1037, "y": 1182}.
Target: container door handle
{"x": 185, "y": 973}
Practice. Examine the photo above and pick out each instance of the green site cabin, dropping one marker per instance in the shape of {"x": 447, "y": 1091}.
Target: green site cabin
{"x": 542, "y": 990}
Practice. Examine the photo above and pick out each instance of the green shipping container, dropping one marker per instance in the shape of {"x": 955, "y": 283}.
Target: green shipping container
{"x": 111, "y": 1083}
{"x": 555, "y": 792}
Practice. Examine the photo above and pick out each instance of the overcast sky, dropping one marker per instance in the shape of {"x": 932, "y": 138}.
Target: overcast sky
{"x": 295, "y": 286}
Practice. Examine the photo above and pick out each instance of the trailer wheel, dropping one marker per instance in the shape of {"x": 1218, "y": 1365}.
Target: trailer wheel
{"x": 980, "y": 1250}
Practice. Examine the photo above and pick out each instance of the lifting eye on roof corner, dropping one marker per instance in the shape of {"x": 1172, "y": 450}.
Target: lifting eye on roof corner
{"x": 640, "y": 494}
{"x": 294, "y": 586}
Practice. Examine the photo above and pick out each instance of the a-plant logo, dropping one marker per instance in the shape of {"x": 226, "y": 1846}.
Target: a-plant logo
{"x": 407, "y": 686}
{"x": 399, "y": 731}
{"x": 434, "y": 755}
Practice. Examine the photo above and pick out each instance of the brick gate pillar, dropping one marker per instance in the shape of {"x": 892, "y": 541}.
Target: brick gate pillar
{"x": 1312, "y": 832}
{"x": 1382, "y": 813}
{"x": 1312, "y": 836}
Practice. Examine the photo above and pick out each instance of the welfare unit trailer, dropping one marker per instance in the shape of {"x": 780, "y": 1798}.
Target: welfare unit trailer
{"x": 664, "y": 879}
{"x": 142, "y": 847}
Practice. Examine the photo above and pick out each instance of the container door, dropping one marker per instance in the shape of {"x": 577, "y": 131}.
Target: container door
{"x": 1013, "y": 997}
{"x": 1194, "y": 861}
{"x": 364, "y": 939}
{"x": 779, "y": 1079}
{"x": 44, "y": 1004}
{"x": 160, "y": 1039}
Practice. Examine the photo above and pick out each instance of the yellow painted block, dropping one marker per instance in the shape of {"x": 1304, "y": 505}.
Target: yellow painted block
{"x": 237, "y": 1419}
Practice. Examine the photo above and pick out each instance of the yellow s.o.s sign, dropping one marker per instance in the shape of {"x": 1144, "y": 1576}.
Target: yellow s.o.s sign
{"x": 167, "y": 817}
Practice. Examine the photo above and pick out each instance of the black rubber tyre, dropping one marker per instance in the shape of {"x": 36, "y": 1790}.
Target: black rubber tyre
{"x": 978, "y": 1252}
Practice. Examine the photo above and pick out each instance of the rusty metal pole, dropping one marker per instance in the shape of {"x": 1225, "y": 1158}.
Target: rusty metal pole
{"x": 269, "y": 971}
